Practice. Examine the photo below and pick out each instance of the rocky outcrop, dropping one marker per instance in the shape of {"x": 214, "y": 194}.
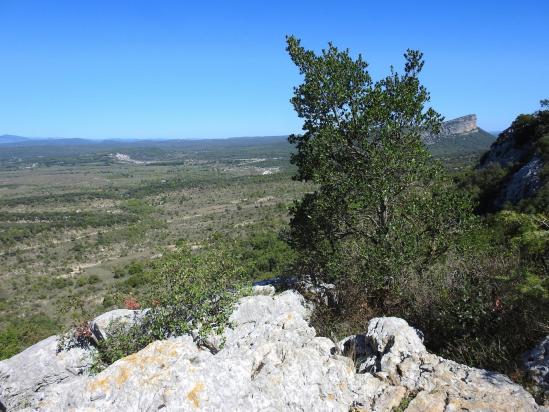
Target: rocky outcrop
{"x": 392, "y": 351}
{"x": 525, "y": 182}
{"x": 272, "y": 360}
{"x": 536, "y": 364}
{"x": 506, "y": 150}
{"x": 311, "y": 290}
{"x": 461, "y": 126}
{"x": 25, "y": 376}
{"x": 519, "y": 151}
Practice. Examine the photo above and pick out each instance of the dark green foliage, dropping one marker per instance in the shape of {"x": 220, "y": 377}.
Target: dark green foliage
{"x": 132, "y": 269}
{"x": 263, "y": 254}
{"x": 61, "y": 282}
{"x": 20, "y": 333}
{"x": 395, "y": 234}
{"x": 506, "y": 293}
{"x": 83, "y": 280}
{"x": 383, "y": 206}
{"x": 260, "y": 251}
{"x": 17, "y": 226}
{"x": 483, "y": 304}
{"x": 483, "y": 185}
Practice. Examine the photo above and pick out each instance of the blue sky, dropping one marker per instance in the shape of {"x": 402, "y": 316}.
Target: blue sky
{"x": 182, "y": 69}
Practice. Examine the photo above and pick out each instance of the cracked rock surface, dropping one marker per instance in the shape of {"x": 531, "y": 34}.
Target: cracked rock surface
{"x": 273, "y": 361}
{"x": 392, "y": 351}
{"x": 536, "y": 362}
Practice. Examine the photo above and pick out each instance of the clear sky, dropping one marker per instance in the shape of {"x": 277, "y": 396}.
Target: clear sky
{"x": 194, "y": 69}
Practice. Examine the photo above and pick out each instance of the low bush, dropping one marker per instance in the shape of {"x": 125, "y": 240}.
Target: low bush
{"x": 483, "y": 304}
{"x": 185, "y": 291}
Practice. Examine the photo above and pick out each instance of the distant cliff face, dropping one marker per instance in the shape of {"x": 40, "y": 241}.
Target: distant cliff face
{"x": 521, "y": 152}
{"x": 460, "y": 126}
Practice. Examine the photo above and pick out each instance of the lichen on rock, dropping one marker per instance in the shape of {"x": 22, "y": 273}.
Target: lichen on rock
{"x": 272, "y": 360}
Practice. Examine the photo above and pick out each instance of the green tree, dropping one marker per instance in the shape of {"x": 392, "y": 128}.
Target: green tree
{"x": 382, "y": 206}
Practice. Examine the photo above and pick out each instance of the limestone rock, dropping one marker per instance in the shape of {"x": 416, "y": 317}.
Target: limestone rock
{"x": 536, "y": 363}
{"x": 398, "y": 356}
{"x": 525, "y": 182}
{"x": 24, "y": 376}
{"x": 460, "y": 126}
{"x": 272, "y": 360}
{"x": 268, "y": 290}
{"x": 506, "y": 151}
{"x": 125, "y": 317}
{"x": 324, "y": 293}
{"x": 517, "y": 155}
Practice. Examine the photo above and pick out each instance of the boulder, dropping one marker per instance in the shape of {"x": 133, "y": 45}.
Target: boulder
{"x": 122, "y": 317}
{"x": 24, "y": 376}
{"x": 268, "y": 290}
{"x": 391, "y": 337}
{"x": 312, "y": 290}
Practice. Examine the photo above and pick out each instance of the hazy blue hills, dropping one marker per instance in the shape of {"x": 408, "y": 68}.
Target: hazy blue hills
{"x": 452, "y": 148}
{"x": 13, "y": 140}
{"x": 10, "y": 139}
{"x": 33, "y": 141}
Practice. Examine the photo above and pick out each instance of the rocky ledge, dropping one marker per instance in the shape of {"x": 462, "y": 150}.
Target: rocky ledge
{"x": 271, "y": 361}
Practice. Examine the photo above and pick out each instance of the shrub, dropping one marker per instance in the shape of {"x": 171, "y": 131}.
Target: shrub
{"x": 184, "y": 292}
{"x": 131, "y": 303}
{"x": 483, "y": 304}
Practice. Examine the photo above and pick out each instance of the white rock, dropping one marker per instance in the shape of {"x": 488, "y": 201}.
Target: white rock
{"x": 536, "y": 363}
{"x": 525, "y": 182}
{"x": 398, "y": 356}
{"x": 126, "y": 317}
{"x": 273, "y": 361}
{"x": 24, "y": 376}
{"x": 268, "y": 290}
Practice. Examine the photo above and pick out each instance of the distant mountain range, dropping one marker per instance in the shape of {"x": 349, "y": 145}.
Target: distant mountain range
{"x": 8, "y": 139}
{"x": 460, "y": 136}
{"x": 13, "y": 140}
